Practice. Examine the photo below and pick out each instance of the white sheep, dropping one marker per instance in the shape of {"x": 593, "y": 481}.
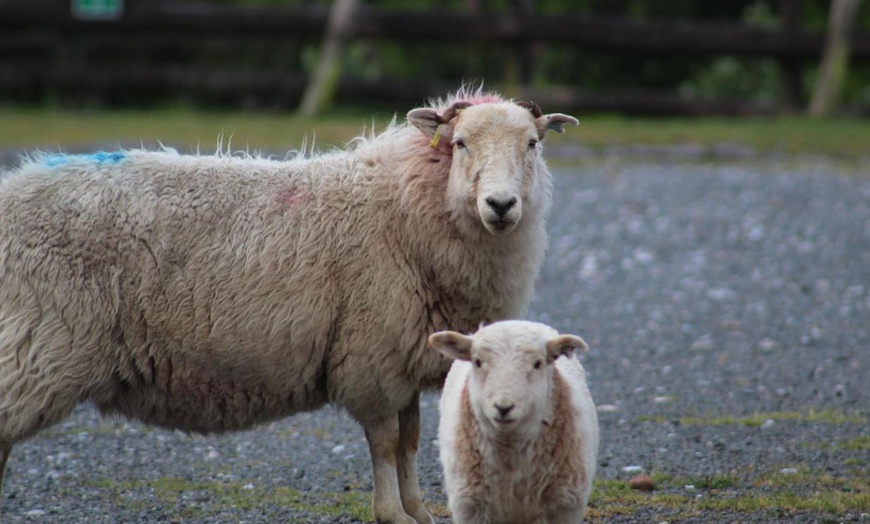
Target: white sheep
{"x": 213, "y": 293}
{"x": 518, "y": 430}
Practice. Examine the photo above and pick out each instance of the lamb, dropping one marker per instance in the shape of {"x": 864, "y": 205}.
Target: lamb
{"x": 214, "y": 293}
{"x": 518, "y": 429}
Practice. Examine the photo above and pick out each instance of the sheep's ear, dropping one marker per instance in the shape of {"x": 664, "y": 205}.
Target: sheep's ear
{"x": 533, "y": 108}
{"x": 564, "y": 345}
{"x": 452, "y": 344}
{"x": 554, "y": 121}
{"x": 425, "y": 119}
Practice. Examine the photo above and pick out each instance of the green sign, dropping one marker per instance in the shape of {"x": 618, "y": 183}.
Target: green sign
{"x": 97, "y": 9}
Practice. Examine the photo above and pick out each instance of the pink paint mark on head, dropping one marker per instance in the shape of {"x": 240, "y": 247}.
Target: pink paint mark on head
{"x": 484, "y": 98}
{"x": 440, "y": 151}
{"x": 474, "y": 95}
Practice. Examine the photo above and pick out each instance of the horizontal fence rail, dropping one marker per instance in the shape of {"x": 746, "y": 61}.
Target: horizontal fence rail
{"x": 41, "y": 50}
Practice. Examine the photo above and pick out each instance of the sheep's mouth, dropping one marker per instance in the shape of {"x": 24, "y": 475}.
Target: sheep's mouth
{"x": 504, "y": 421}
{"x": 501, "y": 225}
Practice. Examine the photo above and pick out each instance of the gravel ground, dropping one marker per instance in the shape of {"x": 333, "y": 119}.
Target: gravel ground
{"x": 727, "y": 306}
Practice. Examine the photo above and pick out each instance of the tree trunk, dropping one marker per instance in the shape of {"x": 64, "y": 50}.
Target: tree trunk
{"x": 835, "y": 58}
{"x": 320, "y": 91}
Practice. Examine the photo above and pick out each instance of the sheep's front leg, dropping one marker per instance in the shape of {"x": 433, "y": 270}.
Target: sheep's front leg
{"x": 383, "y": 437}
{"x": 409, "y": 439}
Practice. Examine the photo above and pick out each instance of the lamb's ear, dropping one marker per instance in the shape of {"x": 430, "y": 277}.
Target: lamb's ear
{"x": 554, "y": 121}
{"x": 452, "y": 344}
{"x": 425, "y": 119}
{"x": 564, "y": 345}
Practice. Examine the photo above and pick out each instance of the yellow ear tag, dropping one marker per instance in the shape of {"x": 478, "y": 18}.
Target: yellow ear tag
{"x": 434, "y": 142}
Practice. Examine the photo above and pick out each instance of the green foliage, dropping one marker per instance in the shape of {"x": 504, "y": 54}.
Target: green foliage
{"x": 743, "y": 78}
{"x": 756, "y": 80}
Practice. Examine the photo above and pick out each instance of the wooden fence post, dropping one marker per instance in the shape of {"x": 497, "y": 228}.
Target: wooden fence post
{"x": 322, "y": 84}
{"x": 835, "y": 58}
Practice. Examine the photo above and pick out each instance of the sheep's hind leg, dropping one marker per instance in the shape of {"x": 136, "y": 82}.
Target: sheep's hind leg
{"x": 383, "y": 437}
{"x": 5, "y": 451}
{"x": 409, "y": 484}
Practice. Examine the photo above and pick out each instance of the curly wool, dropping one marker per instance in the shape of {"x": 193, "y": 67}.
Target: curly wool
{"x": 212, "y": 293}
{"x": 537, "y": 468}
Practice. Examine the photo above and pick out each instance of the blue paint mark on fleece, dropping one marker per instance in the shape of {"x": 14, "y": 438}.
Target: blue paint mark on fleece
{"x": 98, "y": 158}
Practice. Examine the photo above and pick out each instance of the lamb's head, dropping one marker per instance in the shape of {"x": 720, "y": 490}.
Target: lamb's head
{"x": 511, "y": 373}
{"x": 495, "y": 148}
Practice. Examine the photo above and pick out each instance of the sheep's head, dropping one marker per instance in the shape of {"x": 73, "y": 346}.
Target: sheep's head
{"x": 495, "y": 149}
{"x": 511, "y": 373}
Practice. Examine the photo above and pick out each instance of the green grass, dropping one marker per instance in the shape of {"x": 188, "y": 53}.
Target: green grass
{"x": 860, "y": 443}
{"x": 184, "y": 128}
{"x": 772, "y": 494}
{"x": 275, "y": 132}
{"x": 169, "y": 491}
{"x": 823, "y": 416}
{"x": 837, "y": 137}
{"x": 241, "y": 495}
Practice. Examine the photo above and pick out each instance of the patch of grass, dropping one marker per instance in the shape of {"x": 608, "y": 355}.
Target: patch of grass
{"x": 53, "y": 128}
{"x": 788, "y": 502}
{"x": 794, "y": 134}
{"x": 714, "y": 482}
{"x": 241, "y": 495}
{"x": 860, "y": 443}
{"x": 854, "y": 462}
{"x": 775, "y": 494}
{"x": 186, "y": 129}
{"x": 824, "y": 416}
{"x": 816, "y": 480}
{"x": 611, "y": 498}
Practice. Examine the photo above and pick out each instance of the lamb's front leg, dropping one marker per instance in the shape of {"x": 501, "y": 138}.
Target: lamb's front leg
{"x": 567, "y": 516}
{"x": 383, "y": 437}
{"x": 409, "y": 439}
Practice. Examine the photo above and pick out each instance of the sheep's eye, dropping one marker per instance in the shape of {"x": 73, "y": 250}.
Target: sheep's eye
{"x": 533, "y": 143}
{"x": 538, "y": 364}
{"x": 459, "y": 143}
{"x": 477, "y": 363}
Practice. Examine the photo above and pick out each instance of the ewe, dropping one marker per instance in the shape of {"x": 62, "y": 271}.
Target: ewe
{"x": 214, "y": 293}
{"x": 518, "y": 429}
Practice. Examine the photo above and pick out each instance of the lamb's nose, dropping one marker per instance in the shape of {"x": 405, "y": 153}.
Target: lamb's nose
{"x": 501, "y": 207}
{"x": 503, "y": 410}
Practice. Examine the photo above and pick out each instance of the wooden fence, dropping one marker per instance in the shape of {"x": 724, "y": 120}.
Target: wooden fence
{"x": 44, "y": 51}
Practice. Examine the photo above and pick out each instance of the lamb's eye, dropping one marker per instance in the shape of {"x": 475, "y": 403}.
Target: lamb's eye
{"x": 477, "y": 363}
{"x": 538, "y": 364}
{"x": 533, "y": 143}
{"x": 459, "y": 143}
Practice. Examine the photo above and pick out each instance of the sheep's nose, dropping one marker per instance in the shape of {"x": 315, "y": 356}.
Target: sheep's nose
{"x": 501, "y": 207}
{"x": 503, "y": 409}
